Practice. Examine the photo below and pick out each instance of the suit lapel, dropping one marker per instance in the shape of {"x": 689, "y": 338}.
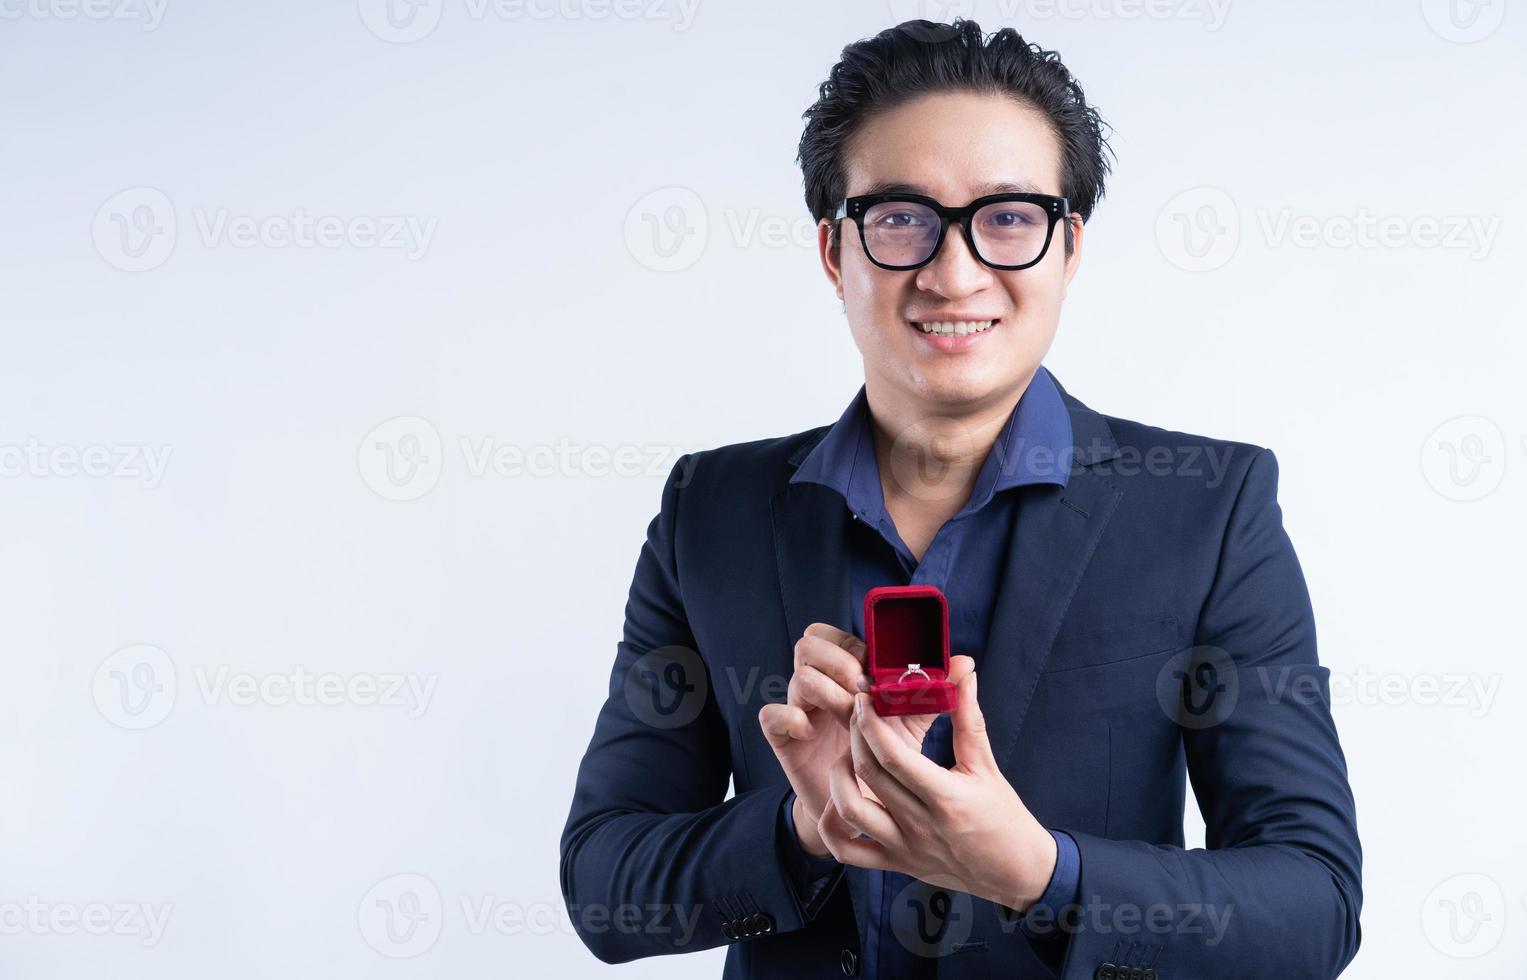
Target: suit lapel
{"x": 1055, "y": 533}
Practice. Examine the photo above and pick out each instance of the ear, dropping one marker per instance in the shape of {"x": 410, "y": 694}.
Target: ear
{"x": 830, "y": 261}
{"x": 1074, "y": 260}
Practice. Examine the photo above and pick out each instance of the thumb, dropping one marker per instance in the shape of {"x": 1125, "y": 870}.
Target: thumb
{"x": 972, "y": 748}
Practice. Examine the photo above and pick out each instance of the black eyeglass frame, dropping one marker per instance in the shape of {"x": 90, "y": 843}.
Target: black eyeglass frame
{"x": 856, "y": 207}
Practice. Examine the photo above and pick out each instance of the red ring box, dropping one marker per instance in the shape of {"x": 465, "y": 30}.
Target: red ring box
{"x": 908, "y": 624}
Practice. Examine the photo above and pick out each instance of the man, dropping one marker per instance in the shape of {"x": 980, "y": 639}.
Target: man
{"x": 1126, "y": 596}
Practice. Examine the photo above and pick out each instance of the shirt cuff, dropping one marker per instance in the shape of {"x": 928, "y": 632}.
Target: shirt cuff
{"x": 1041, "y": 923}
{"x": 812, "y": 877}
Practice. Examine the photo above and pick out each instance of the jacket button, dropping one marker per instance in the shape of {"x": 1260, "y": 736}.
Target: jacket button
{"x": 729, "y": 929}
{"x": 849, "y": 961}
{"x": 763, "y": 924}
{"x": 1106, "y": 971}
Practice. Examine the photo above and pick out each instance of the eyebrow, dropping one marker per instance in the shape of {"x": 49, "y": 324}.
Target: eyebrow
{"x": 997, "y": 187}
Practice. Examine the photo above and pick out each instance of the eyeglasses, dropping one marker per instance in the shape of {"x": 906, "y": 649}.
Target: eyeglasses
{"x": 1004, "y": 231}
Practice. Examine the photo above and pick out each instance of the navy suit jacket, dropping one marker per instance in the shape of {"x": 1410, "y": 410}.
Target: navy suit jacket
{"x": 1153, "y": 629}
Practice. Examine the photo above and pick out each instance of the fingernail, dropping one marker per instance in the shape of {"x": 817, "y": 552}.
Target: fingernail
{"x": 859, "y": 707}
{"x": 863, "y": 683}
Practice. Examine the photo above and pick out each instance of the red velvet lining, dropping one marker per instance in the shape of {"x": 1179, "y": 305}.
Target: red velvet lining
{"x": 907, "y": 624}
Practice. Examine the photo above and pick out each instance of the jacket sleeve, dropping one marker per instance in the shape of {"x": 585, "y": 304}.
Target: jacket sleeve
{"x": 1277, "y": 891}
{"x": 654, "y": 857}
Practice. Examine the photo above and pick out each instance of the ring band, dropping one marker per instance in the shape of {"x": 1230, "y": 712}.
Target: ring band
{"x": 913, "y": 669}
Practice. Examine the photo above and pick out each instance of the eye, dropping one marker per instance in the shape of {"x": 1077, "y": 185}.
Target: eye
{"x": 900, "y": 219}
{"x": 1010, "y": 219}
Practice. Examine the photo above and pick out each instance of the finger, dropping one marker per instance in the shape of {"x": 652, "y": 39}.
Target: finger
{"x": 900, "y": 802}
{"x": 810, "y": 687}
{"x": 917, "y": 725}
{"x": 858, "y": 810}
{"x": 838, "y": 638}
{"x": 926, "y": 779}
{"x": 784, "y": 723}
{"x": 842, "y": 660}
{"x": 972, "y": 747}
{"x": 841, "y": 843}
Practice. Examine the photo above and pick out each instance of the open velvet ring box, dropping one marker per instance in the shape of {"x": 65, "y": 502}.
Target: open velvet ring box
{"x": 907, "y": 626}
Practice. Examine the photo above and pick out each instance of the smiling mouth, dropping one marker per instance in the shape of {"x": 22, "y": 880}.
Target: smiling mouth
{"x": 954, "y": 328}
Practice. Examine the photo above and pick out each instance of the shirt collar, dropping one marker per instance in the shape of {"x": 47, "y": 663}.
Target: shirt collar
{"x": 1033, "y": 447}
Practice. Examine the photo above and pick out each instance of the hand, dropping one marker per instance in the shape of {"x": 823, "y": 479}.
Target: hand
{"x": 810, "y": 730}
{"x": 963, "y": 828}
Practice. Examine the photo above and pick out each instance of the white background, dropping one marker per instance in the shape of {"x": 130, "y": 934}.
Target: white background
{"x": 541, "y": 313}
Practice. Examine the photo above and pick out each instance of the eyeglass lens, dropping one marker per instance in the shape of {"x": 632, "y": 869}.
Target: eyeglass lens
{"x": 904, "y": 233}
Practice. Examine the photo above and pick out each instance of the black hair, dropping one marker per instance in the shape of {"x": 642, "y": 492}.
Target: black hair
{"x": 919, "y": 57}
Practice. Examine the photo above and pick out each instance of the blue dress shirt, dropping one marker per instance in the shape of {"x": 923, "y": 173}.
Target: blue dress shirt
{"x": 964, "y": 560}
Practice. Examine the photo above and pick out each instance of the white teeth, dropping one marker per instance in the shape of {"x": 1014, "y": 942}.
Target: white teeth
{"x": 960, "y": 329}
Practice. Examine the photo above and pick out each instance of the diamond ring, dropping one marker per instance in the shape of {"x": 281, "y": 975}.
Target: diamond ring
{"x": 913, "y": 669}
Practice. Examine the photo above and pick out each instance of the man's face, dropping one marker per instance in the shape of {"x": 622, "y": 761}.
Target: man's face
{"x": 951, "y": 147}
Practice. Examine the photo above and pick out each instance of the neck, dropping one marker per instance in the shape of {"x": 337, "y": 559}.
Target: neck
{"x": 930, "y": 455}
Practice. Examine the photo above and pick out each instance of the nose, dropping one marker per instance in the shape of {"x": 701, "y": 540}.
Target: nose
{"x": 954, "y": 271}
